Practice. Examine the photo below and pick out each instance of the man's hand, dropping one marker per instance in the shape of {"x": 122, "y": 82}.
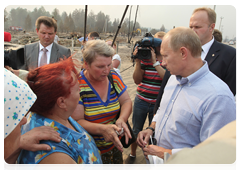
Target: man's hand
{"x": 30, "y": 140}
{"x": 155, "y": 150}
{"x": 143, "y": 137}
{"x": 121, "y": 124}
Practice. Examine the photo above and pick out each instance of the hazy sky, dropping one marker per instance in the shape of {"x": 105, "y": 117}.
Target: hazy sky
{"x": 153, "y": 16}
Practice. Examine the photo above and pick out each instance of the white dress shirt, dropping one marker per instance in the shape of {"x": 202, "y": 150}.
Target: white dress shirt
{"x": 205, "y": 48}
{"x": 49, "y": 48}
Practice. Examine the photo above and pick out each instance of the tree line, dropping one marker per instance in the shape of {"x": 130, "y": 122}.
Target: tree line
{"x": 72, "y": 22}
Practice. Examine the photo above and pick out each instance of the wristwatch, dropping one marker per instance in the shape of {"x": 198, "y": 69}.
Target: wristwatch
{"x": 150, "y": 128}
{"x": 156, "y": 64}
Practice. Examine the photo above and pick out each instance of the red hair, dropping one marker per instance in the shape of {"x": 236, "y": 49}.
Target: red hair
{"x": 50, "y": 82}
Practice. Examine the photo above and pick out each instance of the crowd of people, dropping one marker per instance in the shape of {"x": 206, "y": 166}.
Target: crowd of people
{"x": 61, "y": 111}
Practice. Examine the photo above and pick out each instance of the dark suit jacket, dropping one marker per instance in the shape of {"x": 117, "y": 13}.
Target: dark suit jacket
{"x": 31, "y": 52}
{"x": 221, "y": 60}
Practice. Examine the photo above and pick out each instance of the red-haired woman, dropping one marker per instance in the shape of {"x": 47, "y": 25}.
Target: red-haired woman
{"x": 57, "y": 90}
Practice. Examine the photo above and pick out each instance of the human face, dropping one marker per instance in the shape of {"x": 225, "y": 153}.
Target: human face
{"x": 12, "y": 141}
{"x": 99, "y": 68}
{"x": 200, "y": 24}
{"x": 46, "y": 35}
{"x": 170, "y": 59}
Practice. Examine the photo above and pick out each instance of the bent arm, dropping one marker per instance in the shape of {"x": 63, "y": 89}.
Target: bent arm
{"x": 126, "y": 106}
{"x": 31, "y": 141}
{"x": 108, "y": 131}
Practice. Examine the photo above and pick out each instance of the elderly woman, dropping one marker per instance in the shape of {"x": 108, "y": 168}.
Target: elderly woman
{"x": 18, "y": 98}
{"x": 57, "y": 91}
{"x": 99, "y": 104}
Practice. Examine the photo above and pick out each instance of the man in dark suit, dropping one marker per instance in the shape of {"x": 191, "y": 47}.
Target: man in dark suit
{"x": 221, "y": 58}
{"x": 46, "y": 50}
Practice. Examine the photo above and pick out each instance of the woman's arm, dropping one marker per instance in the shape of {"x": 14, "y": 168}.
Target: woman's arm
{"x": 108, "y": 131}
{"x": 126, "y": 110}
{"x": 126, "y": 106}
{"x": 57, "y": 158}
{"x": 31, "y": 141}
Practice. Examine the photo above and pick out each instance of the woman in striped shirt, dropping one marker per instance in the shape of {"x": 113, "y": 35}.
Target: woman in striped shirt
{"x": 99, "y": 103}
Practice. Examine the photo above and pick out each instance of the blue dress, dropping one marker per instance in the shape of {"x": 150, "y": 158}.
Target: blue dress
{"x": 79, "y": 145}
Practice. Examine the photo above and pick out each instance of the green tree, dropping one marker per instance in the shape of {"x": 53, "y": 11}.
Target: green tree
{"x": 91, "y": 21}
{"x": 28, "y": 23}
{"x": 37, "y": 13}
{"x": 100, "y": 21}
{"x": 115, "y": 24}
{"x": 5, "y": 15}
{"x": 6, "y": 19}
{"x": 78, "y": 19}
{"x": 71, "y": 23}
{"x": 60, "y": 26}
{"x": 66, "y": 24}
{"x": 63, "y": 16}
{"x": 18, "y": 16}
{"x": 56, "y": 14}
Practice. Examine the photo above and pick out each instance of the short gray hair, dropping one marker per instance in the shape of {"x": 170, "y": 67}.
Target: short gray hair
{"x": 184, "y": 37}
{"x": 94, "y": 47}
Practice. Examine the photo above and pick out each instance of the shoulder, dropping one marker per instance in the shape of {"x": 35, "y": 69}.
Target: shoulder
{"x": 32, "y": 45}
{"x": 60, "y": 47}
{"x": 223, "y": 47}
{"x": 118, "y": 83}
{"x": 216, "y": 87}
{"x": 115, "y": 75}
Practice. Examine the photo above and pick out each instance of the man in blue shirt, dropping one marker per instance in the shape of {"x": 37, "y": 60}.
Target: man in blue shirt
{"x": 195, "y": 102}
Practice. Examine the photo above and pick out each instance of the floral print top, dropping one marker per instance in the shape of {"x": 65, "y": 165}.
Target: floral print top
{"x": 79, "y": 145}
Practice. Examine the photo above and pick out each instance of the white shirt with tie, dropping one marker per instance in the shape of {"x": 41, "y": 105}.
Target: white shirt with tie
{"x": 49, "y": 48}
{"x": 205, "y": 48}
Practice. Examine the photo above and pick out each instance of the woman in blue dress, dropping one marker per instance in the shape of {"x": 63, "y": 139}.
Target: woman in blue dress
{"x": 57, "y": 91}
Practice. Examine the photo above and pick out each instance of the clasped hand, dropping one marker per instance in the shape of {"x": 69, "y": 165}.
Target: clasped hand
{"x": 110, "y": 134}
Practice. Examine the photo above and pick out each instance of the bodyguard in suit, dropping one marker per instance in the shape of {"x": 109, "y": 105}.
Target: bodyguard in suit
{"x": 46, "y": 50}
{"x": 221, "y": 58}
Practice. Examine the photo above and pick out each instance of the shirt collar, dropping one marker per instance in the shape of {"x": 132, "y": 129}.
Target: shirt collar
{"x": 49, "y": 47}
{"x": 195, "y": 76}
{"x": 207, "y": 46}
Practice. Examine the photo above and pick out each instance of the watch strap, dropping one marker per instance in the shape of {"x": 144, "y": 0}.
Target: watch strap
{"x": 156, "y": 64}
{"x": 150, "y": 128}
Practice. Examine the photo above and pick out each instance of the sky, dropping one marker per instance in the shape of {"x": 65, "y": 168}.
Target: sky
{"x": 154, "y": 16}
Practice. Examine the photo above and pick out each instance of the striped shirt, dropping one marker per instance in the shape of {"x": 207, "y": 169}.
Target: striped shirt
{"x": 148, "y": 89}
{"x": 97, "y": 111}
